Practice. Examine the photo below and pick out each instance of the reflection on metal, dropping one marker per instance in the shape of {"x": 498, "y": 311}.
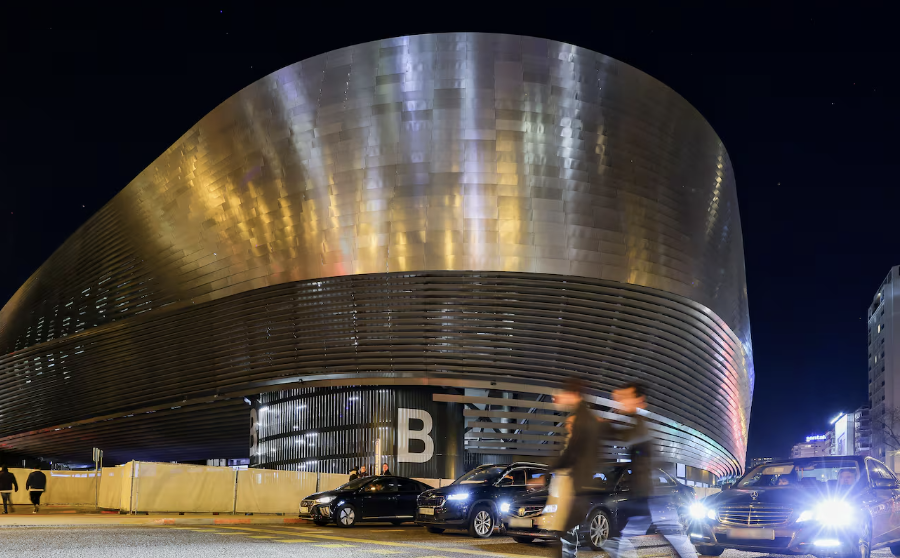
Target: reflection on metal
{"x": 456, "y": 152}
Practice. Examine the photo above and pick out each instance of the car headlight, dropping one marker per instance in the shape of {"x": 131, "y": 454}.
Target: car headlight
{"x": 834, "y": 514}
{"x": 324, "y": 500}
{"x": 550, "y": 509}
{"x": 504, "y": 507}
{"x": 459, "y": 496}
{"x": 698, "y": 511}
{"x": 806, "y": 516}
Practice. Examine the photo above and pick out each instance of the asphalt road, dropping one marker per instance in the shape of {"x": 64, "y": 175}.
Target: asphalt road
{"x": 273, "y": 541}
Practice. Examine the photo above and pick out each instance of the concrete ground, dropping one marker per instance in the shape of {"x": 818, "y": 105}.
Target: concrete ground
{"x": 272, "y": 541}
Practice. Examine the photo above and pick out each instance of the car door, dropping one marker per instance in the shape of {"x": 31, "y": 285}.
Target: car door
{"x": 623, "y": 495}
{"x": 881, "y": 499}
{"x": 379, "y": 498}
{"x": 664, "y": 501}
{"x": 407, "y": 492}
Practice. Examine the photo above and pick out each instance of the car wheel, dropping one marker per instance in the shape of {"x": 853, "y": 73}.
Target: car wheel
{"x": 435, "y": 530}
{"x": 481, "y": 522}
{"x": 597, "y": 529}
{"x": 524, "y": 540}
{"x": 710, "y": 550}
{"x": 345, "y": 516}
{"x": 320, "y": 523}
{"x": 864, "y": 542}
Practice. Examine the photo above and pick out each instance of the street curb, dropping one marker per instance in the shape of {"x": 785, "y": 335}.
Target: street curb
{"x": 130, "y": 520}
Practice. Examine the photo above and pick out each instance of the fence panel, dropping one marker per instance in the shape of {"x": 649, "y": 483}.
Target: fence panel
{"x": 169, "y": 487}
{"x": 111, "y": 488}
{"x": 63, "y": 487}
{"x": 265, "y": 491}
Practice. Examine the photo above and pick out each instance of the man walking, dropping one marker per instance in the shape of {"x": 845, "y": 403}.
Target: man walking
{"x": 641, "y": 509}
{"x": 362, "y": 472}
{"x": 385, "y": 470}
{"x": 35, "y": 484}
{"x": 578, "y": 458}
{"x": 7, "y": 482}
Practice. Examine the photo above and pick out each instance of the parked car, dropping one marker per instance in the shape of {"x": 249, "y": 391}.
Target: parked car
{"x": 390, "y": 499}
{"x": 527, "y": 518}
{"x": 474, "y": 500}
{"x": 826, "y": 506}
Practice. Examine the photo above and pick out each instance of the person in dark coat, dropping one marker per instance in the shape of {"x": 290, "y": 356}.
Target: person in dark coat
{"x": 35, "y": 485}
{"x": 353, "y": 474}
{"x": 579, "y": 458}
{"x": 385, "y": 470}
{"x": 362, "y": 472}
{"x": 7, "y": 483}
{"x": 642, "y": 508}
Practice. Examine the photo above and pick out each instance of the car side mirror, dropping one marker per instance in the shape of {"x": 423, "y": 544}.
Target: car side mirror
{"x": 886, "y": 483}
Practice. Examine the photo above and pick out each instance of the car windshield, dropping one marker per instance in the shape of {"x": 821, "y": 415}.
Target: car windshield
{"x": 354, "y": 484}
{"x": 819, "y": 474}
{"x": 481, "y": 476}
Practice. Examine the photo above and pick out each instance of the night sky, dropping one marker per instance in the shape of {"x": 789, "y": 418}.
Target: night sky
{"x": 807, "y": 102}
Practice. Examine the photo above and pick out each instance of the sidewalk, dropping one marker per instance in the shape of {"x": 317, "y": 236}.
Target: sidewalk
{"x": 51, "y": 516}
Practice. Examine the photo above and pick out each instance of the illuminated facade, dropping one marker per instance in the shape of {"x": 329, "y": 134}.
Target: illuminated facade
{"x": 479, "y": 215}
{"x": 884, "y": 369}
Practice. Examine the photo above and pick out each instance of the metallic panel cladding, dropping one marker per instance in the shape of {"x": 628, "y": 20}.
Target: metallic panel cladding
{"x": 455, "y": 152}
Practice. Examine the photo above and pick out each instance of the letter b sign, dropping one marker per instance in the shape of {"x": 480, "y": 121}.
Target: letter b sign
{"x": 404, "y": 435}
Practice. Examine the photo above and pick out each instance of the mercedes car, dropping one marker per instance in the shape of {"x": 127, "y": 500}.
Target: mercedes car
{"x": 528, "y": 517}
{"x": 390, "y": 499}
{"x": 475, "y": 500}
{"x": 825, "y": 506}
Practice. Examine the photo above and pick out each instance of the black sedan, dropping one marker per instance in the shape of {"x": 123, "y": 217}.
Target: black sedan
{"x": 390, "y": 499}
{"x": 475, "y": 500}
{"x": 826, "y": 506}
{"x": 528, "y": 517}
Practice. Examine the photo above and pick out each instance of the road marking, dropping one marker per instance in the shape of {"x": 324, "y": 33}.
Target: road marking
{"x": 293, "y": 541}
{"x": 260, "y": 536}
{"x": 479, "y": 552}
{"x": 334, "y": 545}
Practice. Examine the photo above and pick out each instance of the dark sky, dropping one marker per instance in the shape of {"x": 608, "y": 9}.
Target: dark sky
{"x": 806, "y": 100}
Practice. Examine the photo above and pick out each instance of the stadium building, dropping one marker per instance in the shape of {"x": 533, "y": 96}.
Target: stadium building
{"x": 396, "y": 252}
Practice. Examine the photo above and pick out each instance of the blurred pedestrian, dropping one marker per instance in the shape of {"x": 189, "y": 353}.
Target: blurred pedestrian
{"x": 7, "y": 483}
{"x": 354, "y": 474}
{"x": 385, "y": 471}
{"x": 35, "y": 484}
{"x": 643, "y": 508}
{"x": 362, "y": 472}
{"x": 574, "y": 469}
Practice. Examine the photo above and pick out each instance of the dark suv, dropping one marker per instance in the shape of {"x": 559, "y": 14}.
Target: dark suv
{"x": 476, "y": 500}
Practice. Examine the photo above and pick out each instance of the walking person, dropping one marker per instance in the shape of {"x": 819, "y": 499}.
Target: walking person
{"x": 362, "y": 472}
{"x": 385, "y": 470}
{"x": 7, "y": 483}
{"x": 574, "y": 469}
{"x": 642, "y": 509}
{"x": 35, "y": 484}
{"x": 353, "y": 474}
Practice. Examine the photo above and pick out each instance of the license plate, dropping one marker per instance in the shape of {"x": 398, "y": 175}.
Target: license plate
{"x": 755, "y": 534}
{"x": 304, "y": 510}
{"x": 426, "y": 511}
{"x": 519, "y": 523}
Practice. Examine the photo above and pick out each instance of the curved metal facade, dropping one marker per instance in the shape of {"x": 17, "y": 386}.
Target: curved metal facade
{"x": 455, "y": 154}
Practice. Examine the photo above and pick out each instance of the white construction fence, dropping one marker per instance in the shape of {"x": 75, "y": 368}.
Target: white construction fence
{"x": 170, "y": 487}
